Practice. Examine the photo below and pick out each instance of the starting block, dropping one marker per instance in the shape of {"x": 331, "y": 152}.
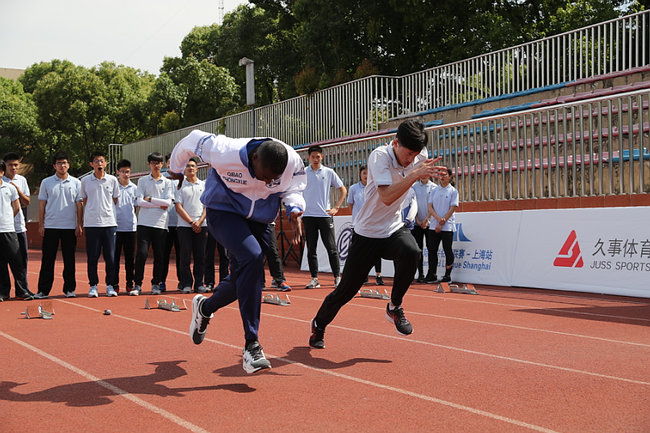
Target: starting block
{"x": 45, "y": 310}
{"x": 374, "y": 294}
{"x": 467, "y": 289}
{"x": 164, "y": 305}
{"x": 275, "y": 299}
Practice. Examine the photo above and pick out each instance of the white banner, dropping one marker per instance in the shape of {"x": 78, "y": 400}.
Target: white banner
{"x": 484, "y": 247}
{"x": 589, "y": 250}
{"x": 604, "y": 250}
{"x": 482, "y": 253}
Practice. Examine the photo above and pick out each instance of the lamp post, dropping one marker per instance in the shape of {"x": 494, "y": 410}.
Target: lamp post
{"x": 250, "y": 86}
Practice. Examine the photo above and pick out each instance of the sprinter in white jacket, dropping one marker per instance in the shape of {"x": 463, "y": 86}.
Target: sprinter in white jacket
{"x": 247, "y": 177}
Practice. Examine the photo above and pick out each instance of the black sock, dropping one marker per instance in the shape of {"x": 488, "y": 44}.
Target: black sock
{"x": 248, "y": 342}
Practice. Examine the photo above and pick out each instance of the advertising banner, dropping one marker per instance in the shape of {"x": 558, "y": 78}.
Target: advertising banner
{"x": 589, "y": 250}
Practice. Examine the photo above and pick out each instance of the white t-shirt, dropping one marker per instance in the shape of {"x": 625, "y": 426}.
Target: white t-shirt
{"x": 161, "y": 188}
{"x": 21, "y": 183}
{"x": 317, "y": 191}
{"x": 61, "y": 197}
{"x": 442, "y": 199}
{"x": 7, "y": 195}
{"x": 99, "y": 195}
{"x": 190, "y": 197}
{"x": 422, "y": 193}
{"x": 125, "y": 208}
{"x": 376, "y": 219}
{"x": 356, "y": 198}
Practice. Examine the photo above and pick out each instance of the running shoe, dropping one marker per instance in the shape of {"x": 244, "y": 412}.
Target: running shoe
{"x": 316, "y": 340}
{"x": 135, "y": 291}
{"x": 313, "y": 284}
{"x": 254, "y": 359}
{"x": 379, "y": 280}
{"x": 92, "y": 293}
{"x": 155, "y": 289}
{"x": 41, "y": 295}
{"x": 199, "y": 323}
{"x": 70, "y": 294}
{"x": 446, "y": 279}
{"x": 110, "y": 291}
{"x": 396, "y": 316}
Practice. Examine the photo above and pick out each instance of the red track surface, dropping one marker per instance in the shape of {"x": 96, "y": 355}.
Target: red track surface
{"x": 504, "y": 361}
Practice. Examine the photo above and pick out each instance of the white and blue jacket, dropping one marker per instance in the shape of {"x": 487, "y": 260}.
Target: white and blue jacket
{"x": 231, "y": 185}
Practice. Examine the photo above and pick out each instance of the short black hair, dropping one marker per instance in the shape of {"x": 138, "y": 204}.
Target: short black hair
{"x": 3, "y": 166}
{"x": 123, "y": 163}
{"x": 59, "y": 156}
{"x": 273, "y": 155}
{"x": 363, "y": 167}
{"x": 411, "y": 134}
{"x": 154, "y": 157}
{"x": 313, "y": 149}
{"x": 96, "y": 154}
{"x": 11, "y": 156}
{"x": 169, "y": 155}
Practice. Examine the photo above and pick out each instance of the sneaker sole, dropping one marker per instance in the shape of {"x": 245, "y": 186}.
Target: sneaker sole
{"x": 390, "y": 320}
{"x": 251, "y": 370}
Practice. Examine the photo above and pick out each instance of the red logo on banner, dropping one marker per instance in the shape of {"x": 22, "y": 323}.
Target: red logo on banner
{"x": 569, "y": 255}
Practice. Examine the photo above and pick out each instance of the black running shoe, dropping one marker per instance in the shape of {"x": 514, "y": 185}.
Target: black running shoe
{"x": 446, "y": 279}
{"x": 316, "y": 340}
{"x": 396, "y": 316}
{"x": 380, "y": 281}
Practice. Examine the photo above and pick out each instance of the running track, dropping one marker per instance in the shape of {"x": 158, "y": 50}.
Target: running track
{"x": 508, "y": 360}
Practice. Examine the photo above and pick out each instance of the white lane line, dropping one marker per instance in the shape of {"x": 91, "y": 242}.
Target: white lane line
{"x": 473, "y": 352}
{"x": 347, "y": 377}
{"x": 567, "y": 312}
{"x": 155, "y": 409}
{"x": 482, "y": 322}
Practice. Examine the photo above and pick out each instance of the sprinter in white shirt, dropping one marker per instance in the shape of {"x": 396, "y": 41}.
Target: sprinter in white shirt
{"x": 379, "y": 230}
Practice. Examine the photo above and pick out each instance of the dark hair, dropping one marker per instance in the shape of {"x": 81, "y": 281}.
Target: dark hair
{"x": 11, "y": 156}
{"x": 273, "y": 155}
{"x": 363, "y": 167}
{"x": 313, "y": 149}
{"x": 60, "y": 156}
{"x": 123, "y": 163}
{"x": 195, "y": 159}
{"x": 3, "y": 166}
{"x": 154, "y": 157}
{"x": 169, "y": 155}
{"x": 95, "y": 154}
{"x": 411, "y": 135}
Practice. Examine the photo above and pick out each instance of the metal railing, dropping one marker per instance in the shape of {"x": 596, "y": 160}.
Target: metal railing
{"x": 591, "y": 148}
{"x": 596, "y": 147}
{"x": 362, "y": 105}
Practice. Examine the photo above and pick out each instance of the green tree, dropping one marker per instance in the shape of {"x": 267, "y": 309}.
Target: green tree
{"x": 18, "y": 127}
{"x": 197, "y": 91}
{"x": 81, "y": 110}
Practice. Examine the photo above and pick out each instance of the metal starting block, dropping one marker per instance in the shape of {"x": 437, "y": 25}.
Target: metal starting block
{"x": 467, "y": 289}
{"x": 45, "y": 310}
{"x": 275, "y": 299}
{"x": 164, "y": 305}
{"x": 374, "y": 294}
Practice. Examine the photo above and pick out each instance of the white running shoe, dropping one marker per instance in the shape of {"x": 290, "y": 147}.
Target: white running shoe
{"x": 254, "y": 359}
{"x": 199, "y": 323}
{"x": 92, "y": 293}
{"x": 135, "y": 291}
{"x": 313, "y": 284}
{"x": 110, "y": 291}
{"x": 155, "y": 289}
